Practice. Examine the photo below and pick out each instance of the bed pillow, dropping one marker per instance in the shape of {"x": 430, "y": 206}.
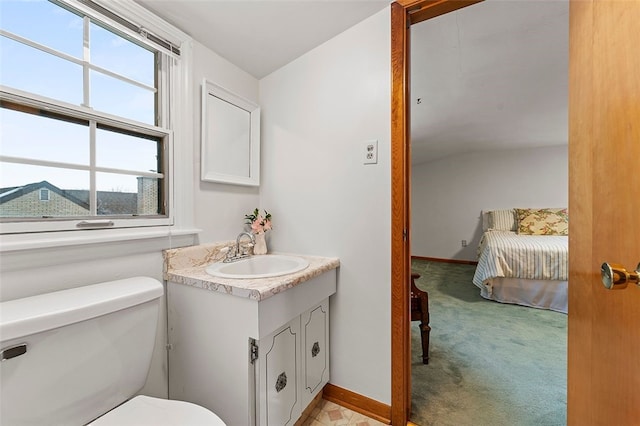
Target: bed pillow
{"x": 486, "y": 220}
{"x": 503, "y": 220}
{"x": 543, "y": 221}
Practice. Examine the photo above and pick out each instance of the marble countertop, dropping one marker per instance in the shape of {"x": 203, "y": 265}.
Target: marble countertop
{"x": 187, "y": 266}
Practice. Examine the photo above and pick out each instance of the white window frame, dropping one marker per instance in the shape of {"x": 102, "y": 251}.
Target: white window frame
{"x": 29, "y": 234}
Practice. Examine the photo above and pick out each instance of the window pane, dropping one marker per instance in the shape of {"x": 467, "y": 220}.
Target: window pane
{"x": 43, "y": 22}
{"x": 125, "y": 151}
{"x": 117, "y": 54}
{"x": 39, "y": 132}
{"x": 117, "y": 97}
{"x": 127, "y": 195}
{"x": 43, "y": 138}
{"x": 25, "y": 68}
{"x": 21, "y": 185}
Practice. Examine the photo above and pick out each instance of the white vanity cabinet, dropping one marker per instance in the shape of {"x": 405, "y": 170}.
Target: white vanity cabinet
{"x": 293, "y": 366}
{"x": 252, "y": 362}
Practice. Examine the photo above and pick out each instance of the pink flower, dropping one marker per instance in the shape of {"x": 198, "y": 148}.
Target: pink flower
{"x": 258, "y": 223}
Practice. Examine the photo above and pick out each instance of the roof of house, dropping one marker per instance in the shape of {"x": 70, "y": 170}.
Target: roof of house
{"x": 11, "y": 193}
{"x": 109, "y": 203}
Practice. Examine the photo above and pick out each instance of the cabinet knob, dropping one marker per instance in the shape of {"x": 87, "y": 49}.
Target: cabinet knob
{"x": 315, "y": 350}
{"x": 281, "y": 382}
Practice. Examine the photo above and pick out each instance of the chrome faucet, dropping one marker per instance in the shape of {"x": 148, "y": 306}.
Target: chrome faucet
{"x": 238, "y": 253}
{"x": 239, "y": 238}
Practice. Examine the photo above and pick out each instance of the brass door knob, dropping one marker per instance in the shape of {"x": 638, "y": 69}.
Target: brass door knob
{"x": 615, "y": 276}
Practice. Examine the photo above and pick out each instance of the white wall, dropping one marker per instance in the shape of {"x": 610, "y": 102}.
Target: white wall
{"x": 316, "y": 113}
{"x": 219, "y": 208}
{"x": 448, "y": 195}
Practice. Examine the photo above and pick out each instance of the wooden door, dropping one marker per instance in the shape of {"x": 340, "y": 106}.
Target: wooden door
{"x": 604, "y": 210}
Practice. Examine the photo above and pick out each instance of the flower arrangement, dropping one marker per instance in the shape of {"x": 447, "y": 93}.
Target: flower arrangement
{"x": 259, "y": 223}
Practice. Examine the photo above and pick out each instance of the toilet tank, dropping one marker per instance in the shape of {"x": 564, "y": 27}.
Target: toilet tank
{"x": 72, "y": 355}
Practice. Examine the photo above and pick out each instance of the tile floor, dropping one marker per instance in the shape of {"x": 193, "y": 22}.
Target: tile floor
{"x": 329, "y": 414}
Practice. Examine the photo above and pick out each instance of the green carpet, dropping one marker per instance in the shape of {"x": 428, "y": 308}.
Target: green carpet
{"x": 490, "y": 363}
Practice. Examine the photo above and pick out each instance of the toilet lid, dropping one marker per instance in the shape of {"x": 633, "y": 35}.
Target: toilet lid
{"x": 145, "y": 410}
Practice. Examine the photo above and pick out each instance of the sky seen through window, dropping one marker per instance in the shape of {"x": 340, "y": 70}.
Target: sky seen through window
{"x": 32, "y": 70}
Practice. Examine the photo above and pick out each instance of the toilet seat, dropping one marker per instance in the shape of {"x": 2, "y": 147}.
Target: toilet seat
{"x": 145, "y": 410}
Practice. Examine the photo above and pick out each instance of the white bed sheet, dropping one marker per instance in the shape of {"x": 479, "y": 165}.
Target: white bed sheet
{"x": 523, "y": 269}
{"x": 541, "y": 294}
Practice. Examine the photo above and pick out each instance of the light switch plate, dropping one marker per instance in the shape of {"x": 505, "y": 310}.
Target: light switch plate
{"x": 370, "y": 152}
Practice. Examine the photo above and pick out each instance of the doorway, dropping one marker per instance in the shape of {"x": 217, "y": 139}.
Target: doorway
{"x": 488, "y": 131}
{"x": 403, "y": 14}
{"x": 601, "y": 36}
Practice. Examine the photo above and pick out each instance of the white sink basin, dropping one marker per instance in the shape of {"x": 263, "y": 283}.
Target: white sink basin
{"x": 265, "y": 266}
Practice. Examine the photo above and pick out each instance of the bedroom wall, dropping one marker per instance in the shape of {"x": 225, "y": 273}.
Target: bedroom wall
{"x": 448, "y": 195}
{"x": 317, "y": 112}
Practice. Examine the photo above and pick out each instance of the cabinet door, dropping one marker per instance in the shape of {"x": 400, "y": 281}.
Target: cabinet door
{"x": 279, "y": 365}
{"x": 315, "y": 352}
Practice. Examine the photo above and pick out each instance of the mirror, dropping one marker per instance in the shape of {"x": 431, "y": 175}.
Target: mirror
{"x": 230, "y": 137}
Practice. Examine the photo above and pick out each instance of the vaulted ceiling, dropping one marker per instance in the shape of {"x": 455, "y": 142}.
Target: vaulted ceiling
{"x": 490, "y": 76}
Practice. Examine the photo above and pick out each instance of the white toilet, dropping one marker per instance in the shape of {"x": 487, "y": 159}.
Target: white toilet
{"x": 77, "y": 356}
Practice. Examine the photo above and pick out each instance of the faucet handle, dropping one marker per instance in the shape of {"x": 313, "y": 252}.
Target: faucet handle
{"x": 244, "y": 248}
{"x": 227, "y": 251}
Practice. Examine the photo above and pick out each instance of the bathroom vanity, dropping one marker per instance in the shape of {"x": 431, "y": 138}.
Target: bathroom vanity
{"x": 255, "y": 351}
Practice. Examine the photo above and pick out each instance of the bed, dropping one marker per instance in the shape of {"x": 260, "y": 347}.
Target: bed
{"x": 523, "y": 258}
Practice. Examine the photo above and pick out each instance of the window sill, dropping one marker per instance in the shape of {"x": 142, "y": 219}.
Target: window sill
{"x": 21, "y": 242}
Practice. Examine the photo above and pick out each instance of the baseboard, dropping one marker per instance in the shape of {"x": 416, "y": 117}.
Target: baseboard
{"x": 358, "y": 403}
{"x": 436, "y": 259}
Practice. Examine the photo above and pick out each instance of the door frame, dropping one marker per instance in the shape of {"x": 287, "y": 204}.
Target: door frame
{"x": 404, "y": 13}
